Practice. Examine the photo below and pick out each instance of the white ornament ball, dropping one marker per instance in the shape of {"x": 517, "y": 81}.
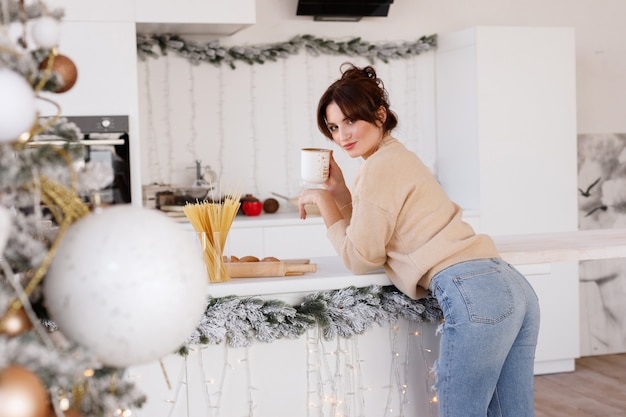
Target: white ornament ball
{"x": 18, "y": 109}
{"x": 128, "y": 283}
{"x": 46, "y": 32}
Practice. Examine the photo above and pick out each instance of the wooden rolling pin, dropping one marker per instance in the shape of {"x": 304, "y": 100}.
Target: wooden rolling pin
{"x": 269, "y": 269}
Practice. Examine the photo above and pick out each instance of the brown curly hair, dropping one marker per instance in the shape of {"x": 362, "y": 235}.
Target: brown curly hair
{"x": 360, "y": 94}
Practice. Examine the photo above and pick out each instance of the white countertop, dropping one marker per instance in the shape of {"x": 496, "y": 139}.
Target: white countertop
{"x": 518, "y": 250}
{"x": 331, "y": 274}
{"x": 579, "y": 245}
{"x": 288, "y": 217}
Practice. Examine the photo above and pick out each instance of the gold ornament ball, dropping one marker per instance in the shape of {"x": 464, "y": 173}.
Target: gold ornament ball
{"x": 22, "y": 394}
{"x": 14, "y": 323}
{"x": 65, "y": 68}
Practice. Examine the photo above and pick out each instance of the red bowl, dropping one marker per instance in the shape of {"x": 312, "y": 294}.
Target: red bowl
{"x": 252, "y": 208}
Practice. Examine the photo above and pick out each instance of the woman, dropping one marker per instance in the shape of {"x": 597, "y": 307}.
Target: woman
{"x": 398, "y": 217}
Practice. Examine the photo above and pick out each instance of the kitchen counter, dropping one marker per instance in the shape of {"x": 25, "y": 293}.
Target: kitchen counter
{"x": 519, "y": 250}
{"x": 288, "y": 217}
{"x": 330, "y": 274}
{"x": 580, "y": 245}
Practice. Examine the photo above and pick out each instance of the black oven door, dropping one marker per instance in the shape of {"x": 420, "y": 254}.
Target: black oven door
{"x": 112, "y": 152}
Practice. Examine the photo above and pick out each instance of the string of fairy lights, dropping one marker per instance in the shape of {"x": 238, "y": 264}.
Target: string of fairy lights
{"x": 220, "y": 122}
{"x": 338, "y": 377}
{"x": 287, "y": 142}
{"x": 256, "y": 140}
{"x": 233, "y": 146}
{"x": 154, "y": 162}
{"x": 168, "y": 125}
{"x": 193, "y": 136}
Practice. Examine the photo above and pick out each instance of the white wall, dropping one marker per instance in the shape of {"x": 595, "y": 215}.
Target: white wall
{"x": 599, "y": 28}
{"x": 249, "y": 123}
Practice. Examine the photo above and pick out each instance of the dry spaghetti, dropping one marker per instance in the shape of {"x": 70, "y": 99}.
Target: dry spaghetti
{"x": 212, "y": 221}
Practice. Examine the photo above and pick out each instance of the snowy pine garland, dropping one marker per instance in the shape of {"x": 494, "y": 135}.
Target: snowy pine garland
{"x": 153, "y": 45}
{"x": 344, "y": 312}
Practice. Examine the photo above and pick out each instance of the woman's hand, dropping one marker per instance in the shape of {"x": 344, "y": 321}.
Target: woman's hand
{"x": 336, "y": 184}
{"x": 324, "y": 201}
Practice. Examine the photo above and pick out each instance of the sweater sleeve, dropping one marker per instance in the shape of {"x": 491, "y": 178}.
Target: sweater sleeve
{"x": 369, "y": 223}
{"x": 346, "y": 211}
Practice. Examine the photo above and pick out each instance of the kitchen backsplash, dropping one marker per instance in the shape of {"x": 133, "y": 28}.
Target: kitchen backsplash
{"x": 250, "y": 122}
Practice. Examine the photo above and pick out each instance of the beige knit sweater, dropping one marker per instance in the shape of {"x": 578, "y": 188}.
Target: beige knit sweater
{"x": 401, "y": 219}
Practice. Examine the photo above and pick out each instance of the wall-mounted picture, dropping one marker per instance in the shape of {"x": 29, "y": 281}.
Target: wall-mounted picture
{"x": 602, "y": 205}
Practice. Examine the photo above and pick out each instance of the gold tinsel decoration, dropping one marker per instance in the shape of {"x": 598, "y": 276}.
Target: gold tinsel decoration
{"x": 66, "y": 207}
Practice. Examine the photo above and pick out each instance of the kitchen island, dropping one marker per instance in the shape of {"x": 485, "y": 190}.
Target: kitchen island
{"x": 384, "y": 370}
{"x": 520, "y": 250}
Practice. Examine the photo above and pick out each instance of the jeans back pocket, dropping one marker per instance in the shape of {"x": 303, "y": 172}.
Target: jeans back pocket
{"x": 487, "y": 295}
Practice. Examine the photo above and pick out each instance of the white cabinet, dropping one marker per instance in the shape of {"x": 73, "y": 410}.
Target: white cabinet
{"x": 194, "y": 16}
{"x": 283, "y": 240}
{"x": 284, "y": 236}
{"x": 304, "y": 241}
{"x": 100, "y": 38}
{"x": 556, "y": 286}
{"x": 245, "y": 242}
{"x": 96, "y": 10}
{"x": 105, "y": 57}
{"x": 506, "y": 123}
{"x": 181, "y": 16}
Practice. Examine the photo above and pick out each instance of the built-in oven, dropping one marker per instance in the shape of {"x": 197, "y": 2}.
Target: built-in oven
{"x": 106, "y": 140}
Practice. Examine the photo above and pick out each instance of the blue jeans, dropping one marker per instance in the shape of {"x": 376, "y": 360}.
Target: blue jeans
{"x": 488, "y": 340}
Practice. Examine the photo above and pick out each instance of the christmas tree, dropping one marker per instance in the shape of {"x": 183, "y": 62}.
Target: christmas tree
{"x": 41, "y": 372}
{"x": 50, "y": 368}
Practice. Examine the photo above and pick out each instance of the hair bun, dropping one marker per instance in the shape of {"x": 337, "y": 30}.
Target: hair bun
{"x": 351, "y": 71}
{"x": 369, "y": 72}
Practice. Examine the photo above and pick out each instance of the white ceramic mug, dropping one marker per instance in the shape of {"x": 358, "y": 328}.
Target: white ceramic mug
{"x": 314, "y": 165}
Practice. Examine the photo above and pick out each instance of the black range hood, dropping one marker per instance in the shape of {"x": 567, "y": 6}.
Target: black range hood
{"x": 343, "y": 10}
